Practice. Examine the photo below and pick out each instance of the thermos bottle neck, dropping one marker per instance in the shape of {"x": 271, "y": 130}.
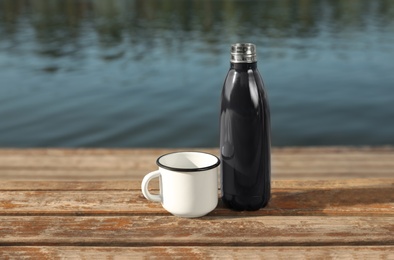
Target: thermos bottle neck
{"x": 243, "y": 66}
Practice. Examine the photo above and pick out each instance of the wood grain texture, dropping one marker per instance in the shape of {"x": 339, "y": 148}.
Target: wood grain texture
{"x": 205, "y": 231}
{"x": 126, "y": 164}
{"x": 327, "y": 202}
{"x": 185, "y": 252}
{"x": 289, "y": 198}
{"x": 59, "y": 185}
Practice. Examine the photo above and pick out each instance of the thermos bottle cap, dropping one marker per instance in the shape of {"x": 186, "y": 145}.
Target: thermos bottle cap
{"x": 243, "y": 53}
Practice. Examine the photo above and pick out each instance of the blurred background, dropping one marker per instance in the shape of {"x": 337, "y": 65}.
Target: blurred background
{"x": 148, "y": 73}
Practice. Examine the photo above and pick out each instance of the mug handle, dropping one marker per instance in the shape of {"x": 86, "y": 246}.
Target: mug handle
{"x": 144, "y": 186}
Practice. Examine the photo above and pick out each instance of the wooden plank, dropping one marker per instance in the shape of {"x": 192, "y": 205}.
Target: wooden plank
{"x": 321, "y": 173}
{"x": 72, "y": 175}
{"x": 283, "y": 203}
{"x": 11, "y": 185}
{"x": 140, "y": 158}
{"x": 206, "y": 231}
{"x": 124, "y": 164}
{"x": 98, "y": 175}
{"x": 59, "y": 185}
{"x": 184, "y": 252}
{"x": 352, "y": 197}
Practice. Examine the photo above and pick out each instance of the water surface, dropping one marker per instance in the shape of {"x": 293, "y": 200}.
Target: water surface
{"x": 149, "y": 73}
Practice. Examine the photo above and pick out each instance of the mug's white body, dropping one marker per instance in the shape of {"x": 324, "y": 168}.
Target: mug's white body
{"x": 189, "y": 194}
{"x": 188, "y": 183}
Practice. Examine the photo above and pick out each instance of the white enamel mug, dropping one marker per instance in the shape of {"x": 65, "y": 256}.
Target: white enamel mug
{"x": 188, "y": 183}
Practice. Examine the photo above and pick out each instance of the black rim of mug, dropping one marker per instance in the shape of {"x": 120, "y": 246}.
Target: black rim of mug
{"x": 217, "y": 163}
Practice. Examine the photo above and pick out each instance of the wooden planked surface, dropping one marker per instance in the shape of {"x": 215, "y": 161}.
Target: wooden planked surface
{"x": 127, "y": 164}
{"x": 332, "y": 202}
{"x": 361, "y": 197}
{"x": 15, "y": 185}
{"x": 207, "y": 231}
{"x": 195, "y": 252}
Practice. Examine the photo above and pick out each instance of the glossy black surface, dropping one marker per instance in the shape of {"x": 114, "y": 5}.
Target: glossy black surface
{"x": 245, "y": 139}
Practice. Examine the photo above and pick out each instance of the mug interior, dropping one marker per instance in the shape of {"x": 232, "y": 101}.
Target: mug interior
{"x": 188, "y": 161}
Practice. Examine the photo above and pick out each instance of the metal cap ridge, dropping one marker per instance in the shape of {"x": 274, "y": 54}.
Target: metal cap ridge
{"x": 243, "y": 53}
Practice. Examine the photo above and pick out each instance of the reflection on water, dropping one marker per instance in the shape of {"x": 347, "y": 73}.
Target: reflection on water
{"x": 149, "y": 73}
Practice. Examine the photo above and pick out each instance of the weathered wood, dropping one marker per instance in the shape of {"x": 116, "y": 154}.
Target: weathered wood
{"x": 335, "y": 198}
{"x": 285, "y": 173}
{"x": 60, "y": 185}
{"x": 206, "y": 231}
{"x": 7, "y": 185}
{"x": 328, "y": 202}
{"x": 126, "y": 164}
{"x": 170, "y": 252}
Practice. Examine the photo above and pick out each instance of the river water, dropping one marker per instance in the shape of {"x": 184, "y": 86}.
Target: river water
{"x": 149, "y": 73}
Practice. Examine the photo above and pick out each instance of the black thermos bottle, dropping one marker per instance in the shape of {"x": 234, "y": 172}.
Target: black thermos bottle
{"x": 245, "y": 140}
